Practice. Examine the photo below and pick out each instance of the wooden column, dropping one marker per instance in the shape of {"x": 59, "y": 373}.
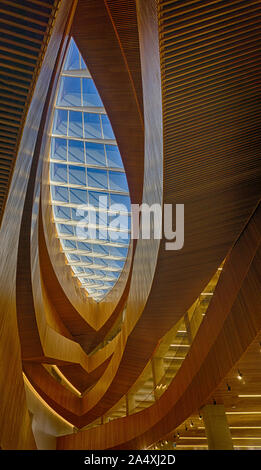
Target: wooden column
{"x": 217, "y": 430}
{"x": 158, "y": 372}
{"x": 130, "y": 403}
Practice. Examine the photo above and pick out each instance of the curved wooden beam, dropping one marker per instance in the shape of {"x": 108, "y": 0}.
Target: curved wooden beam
{"x": 111, "y": 51}
{"x": 121, "y": 97}
{"x": 223, "y": 177}
{"x": 15, "y": 423}
{"x": 234, "y": 312}
{"x": 80, "y": 330}
{"x": 164, "y": 284}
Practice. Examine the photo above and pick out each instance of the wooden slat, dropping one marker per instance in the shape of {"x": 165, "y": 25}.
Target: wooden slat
{"x": 26, "y": 8}
{"x": 24, "y": 17}
{"x": 27, "y": 46}
{"x": 41, "y": 3}
{"x": 20, "y": 35}
{"x": 10, "y": 57}
{"x": 211, "y": 355}
{"x": 19, "y": 78}
{"x": 19, "y": 26}
{"x": 17, "y": 73}
{"x": 19, "y": 53}
{"x": 4, "y": 85}
{"x": 15, "y": 427}
{"x": 13, "y": 66}
{"x": 10, "y": 103}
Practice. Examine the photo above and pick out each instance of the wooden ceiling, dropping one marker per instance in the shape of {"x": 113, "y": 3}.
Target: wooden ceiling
{"x": 205, "y": 165}
{"x": 196, "y": 60}
{"x": 24, "y": 30}
{"x": 111, "y": 51}
{"x": 234, "y": 312}
{"x": 241, "y": 397}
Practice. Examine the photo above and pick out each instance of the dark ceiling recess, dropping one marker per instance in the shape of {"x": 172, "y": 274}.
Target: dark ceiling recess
{"x": 24, "y": 31}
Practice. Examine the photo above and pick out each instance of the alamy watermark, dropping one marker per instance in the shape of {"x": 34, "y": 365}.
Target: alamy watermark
{"x": 118, "y": 223}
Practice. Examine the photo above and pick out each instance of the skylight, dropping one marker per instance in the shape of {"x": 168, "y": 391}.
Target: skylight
{"x": 89, "y": 189}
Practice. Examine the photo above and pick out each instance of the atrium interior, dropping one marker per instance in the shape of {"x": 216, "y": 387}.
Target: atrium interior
{"x": 130, "y": 225}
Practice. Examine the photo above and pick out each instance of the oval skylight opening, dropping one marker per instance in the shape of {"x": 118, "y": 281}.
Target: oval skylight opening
{"x": 89, "y": 189}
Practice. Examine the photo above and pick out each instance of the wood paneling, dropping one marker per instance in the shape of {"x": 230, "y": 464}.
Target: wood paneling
{"x": 187, "y": 134}
{"x": 87, "y": 321}
{"x": 210, "y": 165}
{"x": 229, "y": 185}
{"x": 112, "y": 56}
{"x": 15, "y": 427}
{"x": 20, "y": 62}
{"x": 210, "y": 357}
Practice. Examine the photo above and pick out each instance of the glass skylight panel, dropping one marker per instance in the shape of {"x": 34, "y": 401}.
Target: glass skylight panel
{"x": 65, "y": 229}
{"x": 90, "y": 94}
{"x": 59, "y": 149}
{"x": 118, "y": 181}
{"x": 83, "y": 246}
{"x": 122, "y": 200}
{"x": 78, "y": 196}
{"x": 95, "y": 154}
{"x": 97, "y": 178}
{"x": 92, "y": 126}
{"x": 61, "y": 213}
{"x": 107, "y": 129}
{"x": 58, "y": 172}
{"x": 60, "y": 194}
{"x": 72, "y": 60}
{"x": 86, "y": 177}
{"x": 77, "y": 175}
{"x": 113, "y": 156}
{"x": 96, "y": 200}
{"x": 76, "y": 151}
{"x": 60, "y": 122}
{"x": 75, "y": 127}
{"x": 68, "y": 244}
{"x": 70, "y": 92}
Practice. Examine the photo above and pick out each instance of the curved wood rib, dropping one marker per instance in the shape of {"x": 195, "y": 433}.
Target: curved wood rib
{"x": 47, "y": 345}
{"x": 55, "y": 346}
{"x": 88, "y": 400}
{"x": 21, "y": 60}
{"x": 124, "y": 19}
{"x": 15, "y": 425}
{"x": 86, "y": 320}
{"x": 106, "y": 392}
{"x": 229, "y": 176}
{"x": 80, "y": 313}
{"x": 210, "y": 358}
{"x": 80, "y": 330}
{"x": 112, "y": 56}
{"x": 182, "y": 273}
{"x": 199, "y": 148}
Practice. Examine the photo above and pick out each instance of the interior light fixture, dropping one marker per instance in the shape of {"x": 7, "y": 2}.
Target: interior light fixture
{"x": 243, "y": 412}
{"x": 249, "y": 396}
{"x": 244, "y": 427}
{"x": 193, "y": 437}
